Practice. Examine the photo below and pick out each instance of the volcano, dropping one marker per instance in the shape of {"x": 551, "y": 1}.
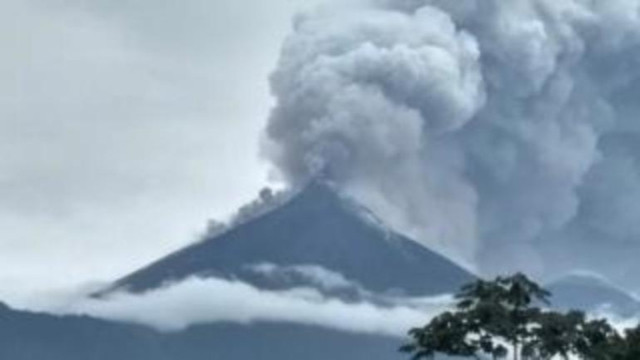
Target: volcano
{"x": 317, "y": 231}
{"x": 317, "y": 227}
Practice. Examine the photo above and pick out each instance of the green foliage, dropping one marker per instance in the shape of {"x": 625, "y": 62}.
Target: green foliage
{"x": 445, "y": 334}
{"x": 491, "y": 315}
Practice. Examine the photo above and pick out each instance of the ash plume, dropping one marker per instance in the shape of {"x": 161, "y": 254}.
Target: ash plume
{"x": 503, "y": 133}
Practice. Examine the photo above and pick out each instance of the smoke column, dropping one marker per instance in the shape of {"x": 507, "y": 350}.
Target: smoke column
{"x": 503, "y": 133}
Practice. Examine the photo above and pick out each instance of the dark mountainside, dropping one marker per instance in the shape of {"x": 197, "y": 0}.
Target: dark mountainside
{"x": 317, "y": 227}
{"x": 30, "y": 336}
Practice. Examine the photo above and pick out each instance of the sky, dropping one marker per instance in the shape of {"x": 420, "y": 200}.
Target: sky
{"x": 503, "y": 134}
{"x": 125, "y": 126}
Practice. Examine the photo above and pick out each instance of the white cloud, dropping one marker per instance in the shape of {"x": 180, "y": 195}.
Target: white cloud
{"x": 315, "y": 275}
{"x": 201, "y": 301}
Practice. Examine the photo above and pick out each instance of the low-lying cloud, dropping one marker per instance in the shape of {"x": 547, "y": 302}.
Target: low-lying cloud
{"x": 312, "y": 274}
{"x": 201, "y": 301}
{"x": 213, "y": 300}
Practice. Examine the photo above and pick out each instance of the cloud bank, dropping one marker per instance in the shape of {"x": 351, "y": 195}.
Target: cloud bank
{"x": 504, "y": 133}
{"x": 212, "y": 300}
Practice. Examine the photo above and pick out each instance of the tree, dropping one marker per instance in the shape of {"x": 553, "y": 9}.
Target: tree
{"x": 597, "y": 340}
{"x": 506, "y": 311}
{"x": 446, "y": 334}
{"x": 613, "y": 346}
{"x": 555, "y": 334}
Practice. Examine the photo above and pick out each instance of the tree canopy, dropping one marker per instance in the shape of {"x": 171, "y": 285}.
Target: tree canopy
{"x": 510, "y": 317}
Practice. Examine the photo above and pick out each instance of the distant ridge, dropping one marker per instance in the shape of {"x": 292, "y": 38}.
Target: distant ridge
{"x": 592, "y": 293}
{"x": 316, "y": 227}
{"x": 33, "y": 336}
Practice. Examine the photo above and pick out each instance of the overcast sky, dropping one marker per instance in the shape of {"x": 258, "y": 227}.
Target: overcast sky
{"x": 125, "y": 126}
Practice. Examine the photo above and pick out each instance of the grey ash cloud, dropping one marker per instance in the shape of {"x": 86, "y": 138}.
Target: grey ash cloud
{"x": 502, "y": 132}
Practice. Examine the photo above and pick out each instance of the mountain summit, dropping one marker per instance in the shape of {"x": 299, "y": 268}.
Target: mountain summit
{"x": 316, "y": 228}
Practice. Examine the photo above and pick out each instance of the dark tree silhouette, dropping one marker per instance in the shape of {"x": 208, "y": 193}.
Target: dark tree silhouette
{"x": 509, "y": 311}
{"x": 504, "y": 309}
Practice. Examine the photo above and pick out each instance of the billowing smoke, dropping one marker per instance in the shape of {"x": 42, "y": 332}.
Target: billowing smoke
{"x": 268, "y": 200}
{"x": 504, "y": 133}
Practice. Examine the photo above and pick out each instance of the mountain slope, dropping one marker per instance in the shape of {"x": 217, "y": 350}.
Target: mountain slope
{"x": 590, "y": 293}
{"x": 31, "y": 336}
{"x": 316, "y": 227}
